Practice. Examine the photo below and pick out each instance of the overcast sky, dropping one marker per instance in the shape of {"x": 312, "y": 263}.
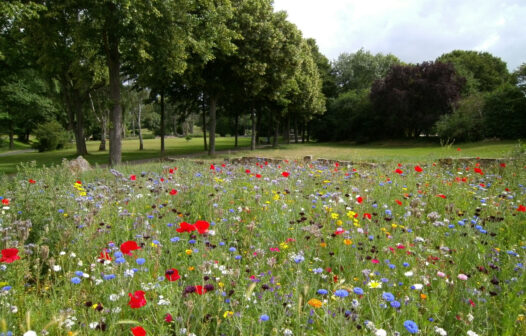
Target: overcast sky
{"x": 413, "y": 30}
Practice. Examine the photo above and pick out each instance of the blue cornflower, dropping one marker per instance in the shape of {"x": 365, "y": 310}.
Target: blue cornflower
{"x": 109, "y": 276}
{"x": 411, "y": 326}
{"x": 388, "y": 296}
{"x": 406, "y": 264}
{"x": 322, "y": 291}
{"x": 192, "y": 241}
{"x": 140, "y": 261}
{"x": 6, "y": 288}
{"x": 358, "y": 291}
{"x": 232, "y": 249}
{"x": 120, "y": 260}
{"x": 395, "y": 304}
{"x": 264, "y": 317}
{"x": 238, "y": 257}
{"x": 75, "y": 280}
{"x": 79, "y": 273}
{"x": 318, "y": 270}
{"x": 175, "y": 239}
{"x": 341, "y": 293}
{"x": 118, "y": 254}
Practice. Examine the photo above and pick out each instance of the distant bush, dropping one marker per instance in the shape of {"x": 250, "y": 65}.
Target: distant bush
{"x": 50, "y": 136}
{"x": 466, "y": 123}
{"x": 505, "y": 113}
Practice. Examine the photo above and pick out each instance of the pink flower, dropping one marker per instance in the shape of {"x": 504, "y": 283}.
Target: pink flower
{"x": 462, "y": 277}
{"x": 441, "y": 274}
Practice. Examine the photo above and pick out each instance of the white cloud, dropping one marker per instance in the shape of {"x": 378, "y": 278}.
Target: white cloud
{"x": 413, "y": 30}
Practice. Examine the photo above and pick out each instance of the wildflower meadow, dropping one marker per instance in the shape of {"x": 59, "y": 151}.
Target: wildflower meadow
{"x": 269, "y": 248}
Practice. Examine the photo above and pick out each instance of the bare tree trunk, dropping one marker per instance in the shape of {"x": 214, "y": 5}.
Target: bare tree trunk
{"x": 114, "y": 66}
{"x": 307, "y": 131}
{"x": 162, "y": 124}
{"x": 204, "y": 124}
{"x": 141, "y": 144}
{"x": 103, "y": 133}
{"x": 287, "y": 131}
{"x": 212, "y": 131}
{"x": 295, "y": 130}
{"x": 236, "y": 123}
{"x": 80, "y": 141}
{"x": 11, "y": 138}
{"x": 303, "y": 132}
{"x": 253, "y": 136}
{"x": 276, "y": 133}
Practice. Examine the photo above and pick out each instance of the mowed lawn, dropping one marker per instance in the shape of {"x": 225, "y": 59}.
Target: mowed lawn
{"x": 130, "y": 152}
{"x": 400, "y": 151}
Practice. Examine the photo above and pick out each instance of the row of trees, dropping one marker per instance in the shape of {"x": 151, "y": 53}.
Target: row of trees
{"x": 461, "y": 96}
{"x": 71, "y": 59}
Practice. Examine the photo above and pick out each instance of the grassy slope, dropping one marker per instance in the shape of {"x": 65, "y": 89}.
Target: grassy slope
{"x": 18, "y": 146}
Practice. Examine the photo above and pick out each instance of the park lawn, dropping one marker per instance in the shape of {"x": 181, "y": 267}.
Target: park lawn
{"x": 400, "y": 151}
{"x": 130, "y": 152}
{"x": 18, "y": 146}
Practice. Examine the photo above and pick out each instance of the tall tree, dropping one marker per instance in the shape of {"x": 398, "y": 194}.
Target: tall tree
{"x": 483, "y": 71}
{"x": 356, "y": 71}
{"x": 520, "y": 77}
{"x": 411, "y": 98}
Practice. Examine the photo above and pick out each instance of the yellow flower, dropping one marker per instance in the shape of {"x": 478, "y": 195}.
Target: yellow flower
{"x": 334, "y": 215}
{"x": 188, "y": 252}
{"x": 276, "y": 197}
{"x": 284, "y": 246}
{"x": 323, "y": 244}
{"x": 315, "y": 303}
{"x": 339, "y": 222}
{"x": 347, "y": 241}
{"x": 374, "y": 284}
{"x": 351, "y": 214}
{"x": 191, "y": 268}
{"x": 228, "y": 314}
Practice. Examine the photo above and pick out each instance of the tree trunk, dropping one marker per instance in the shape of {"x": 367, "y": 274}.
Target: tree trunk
{"x": 303, "y": 132}
{"x": 236, "y": 128}
{"x": 212, "y": 130}
{"x": 11, "y": 138}
{"x": 287, "y": 131}
{"x": 295, "y": 130}
{"x": 162, "y": 124}
{"x": 80, "y": 141}
{"x": 276, "y": 133}
{"x": 253, "y": 136}
{"x": 204, "y": 124}
{"x": 141, "y": 144}
{"x": 308, "y": 133}
{"x": 114, "y": 67}
{"x": 103, "y": 134}
{"x": 258, "y": 124}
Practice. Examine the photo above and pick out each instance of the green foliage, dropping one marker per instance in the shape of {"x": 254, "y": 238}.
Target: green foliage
{"x": 357, "y": 71}
{"x": 520, "y": 77}
{"x": 466, "y": 123}
{"x": 483, "y": 71}
{"x": 505, "y": 113}
{"x": 348, "y": 117}
{"x": 50, "y": 136}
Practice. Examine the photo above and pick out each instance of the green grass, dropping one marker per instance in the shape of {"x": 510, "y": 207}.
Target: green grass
{"x": 18, "y": 146}
{"x": 130, "y": 152}
{"x": 402, "y": 151}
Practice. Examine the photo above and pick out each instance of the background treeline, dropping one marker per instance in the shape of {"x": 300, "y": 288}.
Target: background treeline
{"x": 460, "y": 96}
{"x": 108, "y": 69}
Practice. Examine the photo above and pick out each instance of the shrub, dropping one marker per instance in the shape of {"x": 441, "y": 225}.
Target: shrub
{"x": 50, "y": 136}
{"x": 505, "y": 113}
{"x": 466, "y": 123}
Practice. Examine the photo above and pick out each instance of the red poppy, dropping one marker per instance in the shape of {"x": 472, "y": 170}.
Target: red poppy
{"x": 138, "y": 331}
{"x": 137, "y": 299}
{"x": 171, "y": 171}
{"x": 398, "y": 202}
{"x": 173, "y": 192}
{"x": 202, "y": 226}
{"x": 339, "y": 232}
{"x": 105, "y": 256}
{"x": 478, "y": 171}
{"x": 441, "y": 196}
{"x": 9, "y": 255}
{"x": 185, "y": 227}
{"x": 172, "y": 275}
{"x": 168, "y": 318}
{"x": 503, "y": 165}
{"x": 359, "y": 199}
{"x": 162, "y": 179}
{"x": 128, "y": 246}
{"x": 285, "y": 174}
{"x": 458, "y": 149}
{"x": 399, "y": 171}
{"x": 133, "y": 177}
{"x": 212, "y": 167}
{"x": 5, "y": 201}
{"x": 418, "y": 169}
{"x": 258, "y": 175}
{"x": 367, "y": 215}
{"x": 336, "y": 164}
{"x": 32, "y": 181}
{"x": 247, "y": 171}
{"x": 200, "y": 290}
{"x": 521, "y": 208}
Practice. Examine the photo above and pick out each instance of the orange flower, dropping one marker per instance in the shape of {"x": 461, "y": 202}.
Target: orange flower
{"x": 315, "y": 303}
{"x": 423, "y": 296}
